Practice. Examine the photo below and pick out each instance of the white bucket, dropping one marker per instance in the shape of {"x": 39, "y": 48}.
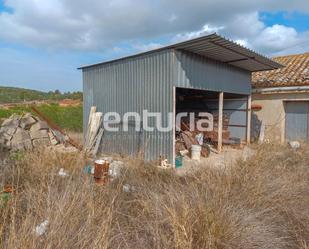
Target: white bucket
{"x": 196, "y": 152}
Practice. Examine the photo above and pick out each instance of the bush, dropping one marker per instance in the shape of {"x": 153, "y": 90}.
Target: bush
{"x": 260, "y": 203}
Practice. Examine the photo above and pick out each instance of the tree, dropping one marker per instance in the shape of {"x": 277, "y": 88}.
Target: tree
{"x": 57, "y": 92}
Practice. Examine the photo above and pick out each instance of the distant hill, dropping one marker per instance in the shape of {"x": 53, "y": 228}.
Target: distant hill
{"x": 16, "y": 95}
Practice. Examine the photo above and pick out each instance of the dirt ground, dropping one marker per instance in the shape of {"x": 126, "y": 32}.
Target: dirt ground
{"x": 222, "y": 160}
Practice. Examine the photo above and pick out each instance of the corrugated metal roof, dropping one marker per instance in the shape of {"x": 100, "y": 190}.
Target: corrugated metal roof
{"x": 217, "y": 48}
{"x": 295, "y": 72}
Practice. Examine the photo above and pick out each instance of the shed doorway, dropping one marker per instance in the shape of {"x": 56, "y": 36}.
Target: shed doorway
{"x": 230, "y": 114}
{"x": 297, "y": 120}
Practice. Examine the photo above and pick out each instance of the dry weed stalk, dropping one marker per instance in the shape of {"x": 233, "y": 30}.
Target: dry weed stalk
{"x": 260, "y": 203}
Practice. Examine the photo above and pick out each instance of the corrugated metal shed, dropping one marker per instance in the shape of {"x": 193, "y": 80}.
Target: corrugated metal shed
{"x": 133, "y": 85}
{"x": 147, "y": 81}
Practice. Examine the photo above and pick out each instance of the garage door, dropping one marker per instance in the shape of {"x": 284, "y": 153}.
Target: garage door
{"x": 296, "y": 120}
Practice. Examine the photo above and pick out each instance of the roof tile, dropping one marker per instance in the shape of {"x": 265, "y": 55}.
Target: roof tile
{"x": 295, "y": 72}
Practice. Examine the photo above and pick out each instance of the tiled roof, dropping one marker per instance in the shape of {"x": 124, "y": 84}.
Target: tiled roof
{"x": 295, "y": 72}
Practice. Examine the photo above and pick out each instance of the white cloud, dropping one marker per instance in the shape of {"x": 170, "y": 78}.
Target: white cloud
{"x": 247, "y": 30}
{"x": 206, "y": 30}
{"x": 121, "y": 27}
{"x": 281, "y": 38}
{"x": 94, "y": 25}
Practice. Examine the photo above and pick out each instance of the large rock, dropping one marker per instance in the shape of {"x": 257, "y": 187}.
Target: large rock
{"x": 37, "y": 134}
{"x": 40, "y": 125}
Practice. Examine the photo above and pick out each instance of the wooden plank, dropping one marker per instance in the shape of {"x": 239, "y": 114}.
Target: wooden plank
{"x": 97, "y": 142}
{"x": 220, "y": 123}
{"x": 94, "y": 128}
{"x": 93, "y": 110}
{"x": 248, "y": 135}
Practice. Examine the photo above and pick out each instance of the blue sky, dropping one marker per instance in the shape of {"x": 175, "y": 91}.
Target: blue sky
{"x": 42, "y": 42}
{"x": 297, "y": 20}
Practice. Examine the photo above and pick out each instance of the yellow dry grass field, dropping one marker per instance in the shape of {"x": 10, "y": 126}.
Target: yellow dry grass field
{"x": 259, "y": 203}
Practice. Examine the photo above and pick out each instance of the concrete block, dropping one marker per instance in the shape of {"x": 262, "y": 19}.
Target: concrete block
{"x": 41, "y": 142}
{"x": 21, "y": 145}
{"x": 27, "y": 121}
{"x": 20, "y": 135}
{"x": 5, "y": 136}
{"x": 40, "y": 125}
{"x": 21, "y": 140}
{"x": 8, "y": 144}
{"x": 28, "y": 144}
{"x": 17, "y": 146}
{"x": 36, "y": 134}
{"x": 2, "y": 143}
{"x": 52, "y": 138}
{"x": 10, "y": 130}
{"x": 9, "y": 126}
{"x": 11, "y": 122}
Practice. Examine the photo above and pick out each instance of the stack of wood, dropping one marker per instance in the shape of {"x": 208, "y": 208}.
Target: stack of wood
{"x": 94, "y": 132}
{"x": 213, "y": 135}
{"x": 187, "y": 137}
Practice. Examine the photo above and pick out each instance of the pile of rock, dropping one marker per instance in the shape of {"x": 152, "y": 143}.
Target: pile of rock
{"x": 27, "y": 132}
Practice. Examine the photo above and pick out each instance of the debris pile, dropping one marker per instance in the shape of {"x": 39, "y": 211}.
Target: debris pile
{"x": 27, "y": 132}
{"x": 188, "y": 136}
{"x": 213, "y": 135}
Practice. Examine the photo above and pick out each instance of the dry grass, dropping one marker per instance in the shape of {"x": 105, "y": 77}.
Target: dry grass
{"x": 261, "y": 203}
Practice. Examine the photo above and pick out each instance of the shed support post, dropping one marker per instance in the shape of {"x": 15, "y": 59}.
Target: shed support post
{"x": 220, "y": 122}
{"x": 248, "y": 135}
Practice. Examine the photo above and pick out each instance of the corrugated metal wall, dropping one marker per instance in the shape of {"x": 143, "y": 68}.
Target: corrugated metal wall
{"x": 146, "y": 82}
{"x": 195, "y": 71}
{"x": 133, "y": 85}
